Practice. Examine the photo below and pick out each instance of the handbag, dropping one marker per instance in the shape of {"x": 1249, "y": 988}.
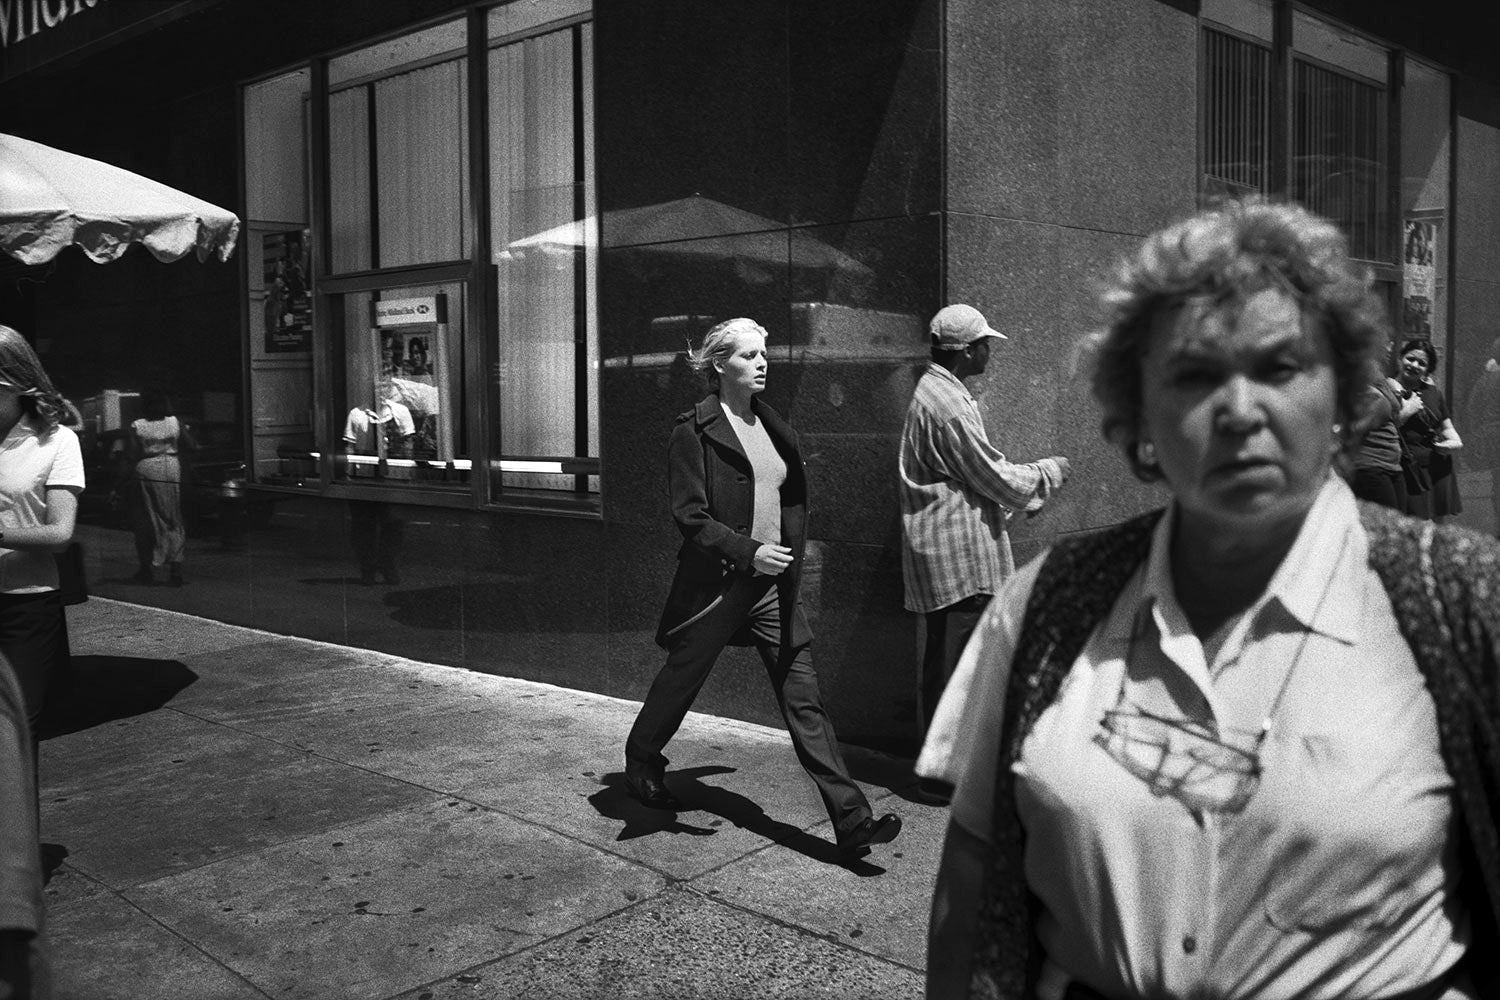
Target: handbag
{"x": 72, "y": 585}
{"x": 1413, "y": 474}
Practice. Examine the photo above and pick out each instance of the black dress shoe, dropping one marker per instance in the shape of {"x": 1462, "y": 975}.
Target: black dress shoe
{"x": 653, "y": 792}
{"x": 869, "y": 831}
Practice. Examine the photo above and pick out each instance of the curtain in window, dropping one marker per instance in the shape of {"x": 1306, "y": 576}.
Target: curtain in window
{"x": 534, "y": 183}
{"x": 1236, "y": 115}
{"x": 421, "y": 143}
{"x": 349, "y": 173}
{"x": 1338, "y": 155}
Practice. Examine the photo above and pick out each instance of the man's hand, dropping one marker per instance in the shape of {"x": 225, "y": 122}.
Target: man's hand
{"x": 1064, "y": 465}
{"x": 772, "y": 560}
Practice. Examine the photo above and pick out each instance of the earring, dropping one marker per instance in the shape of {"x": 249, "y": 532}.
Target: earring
{"x": 1145, "y": 454}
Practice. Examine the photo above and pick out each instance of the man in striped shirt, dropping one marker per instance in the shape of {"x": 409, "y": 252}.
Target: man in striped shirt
{"x": 957, "y": 491}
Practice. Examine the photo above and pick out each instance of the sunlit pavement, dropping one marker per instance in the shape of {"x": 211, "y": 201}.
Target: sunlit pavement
{"x": 245, "y": 815}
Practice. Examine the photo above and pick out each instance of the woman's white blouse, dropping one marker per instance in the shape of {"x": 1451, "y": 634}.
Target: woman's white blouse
{"x": 1333, "y": 880}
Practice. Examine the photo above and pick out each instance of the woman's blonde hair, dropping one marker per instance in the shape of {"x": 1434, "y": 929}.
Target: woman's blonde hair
{"x": 717, "y": 345}
{"x": 20, "y": 366}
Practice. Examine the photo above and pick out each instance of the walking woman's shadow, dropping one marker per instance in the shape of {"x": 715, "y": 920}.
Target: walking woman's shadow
{"x": 615, "y": 801}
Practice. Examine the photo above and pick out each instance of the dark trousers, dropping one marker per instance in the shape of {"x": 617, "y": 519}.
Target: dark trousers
{"x": 1381, "y": 486}
{"x": 948, "y": 631}
{"x": 34, "y": 638}
{"x": 692, "y": 655}
{"x": 376, "y": 531}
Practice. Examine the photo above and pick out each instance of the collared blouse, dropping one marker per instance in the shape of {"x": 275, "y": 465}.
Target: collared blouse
{"x": 1336, "y": 878}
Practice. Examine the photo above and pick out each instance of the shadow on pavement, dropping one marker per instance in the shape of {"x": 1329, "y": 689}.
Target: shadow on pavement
{"x": 616, "y": 802}
{"x": 100, "y": 689}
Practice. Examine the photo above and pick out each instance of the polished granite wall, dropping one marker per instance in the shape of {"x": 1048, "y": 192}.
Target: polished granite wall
{"x": 1065, "y": 146}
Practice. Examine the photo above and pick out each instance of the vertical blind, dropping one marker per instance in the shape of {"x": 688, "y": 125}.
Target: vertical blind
{"x": 1237, "y": 123}
{"x": 541, "y": 183}
{"x": 1338, "y": 155}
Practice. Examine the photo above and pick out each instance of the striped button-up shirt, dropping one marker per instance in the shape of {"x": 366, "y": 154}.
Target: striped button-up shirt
{"x": 957, "y": 491}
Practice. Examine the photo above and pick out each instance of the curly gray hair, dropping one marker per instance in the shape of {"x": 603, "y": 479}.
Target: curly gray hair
{"x": 1222, "y": 256}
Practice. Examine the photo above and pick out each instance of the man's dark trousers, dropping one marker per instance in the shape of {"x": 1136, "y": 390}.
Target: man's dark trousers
{"x": 948, "y": 631}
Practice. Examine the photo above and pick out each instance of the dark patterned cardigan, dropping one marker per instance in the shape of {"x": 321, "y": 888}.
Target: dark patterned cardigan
{"x": 1444, "y": 584}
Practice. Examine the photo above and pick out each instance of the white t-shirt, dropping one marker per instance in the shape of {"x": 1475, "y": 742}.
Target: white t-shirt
{"x": 362, "y": 425}
{"x": 32, "y": 458}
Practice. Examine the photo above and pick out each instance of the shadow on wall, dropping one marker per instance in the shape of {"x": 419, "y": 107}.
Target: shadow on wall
{"x": 100, "y": 689}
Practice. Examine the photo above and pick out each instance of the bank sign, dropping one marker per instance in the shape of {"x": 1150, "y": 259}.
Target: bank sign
{"x": 35, "y": 32}
{"x": 23, "y": 19}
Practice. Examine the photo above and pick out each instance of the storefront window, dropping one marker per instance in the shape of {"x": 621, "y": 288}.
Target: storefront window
{"x": 1426, "y": 149}
{"x": 545, "y": 249}
{"x": 398, "y": 152}
{"x": 403, "y": 413}
{"x": 277, "y": 243}
{"x": 411, "y": 367}
{"x": 1339, "y": 137}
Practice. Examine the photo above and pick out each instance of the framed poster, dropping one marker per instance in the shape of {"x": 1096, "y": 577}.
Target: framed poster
{"x": 1418, "y": 277}
{"x": 288, "y": 303}
{"x": 411, "y": 368}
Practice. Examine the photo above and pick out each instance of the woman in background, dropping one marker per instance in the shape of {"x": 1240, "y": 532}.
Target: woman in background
{"x": 156, "y": 440}
{"x": 41, "y": 475}
{"x": 1429, "y": 433}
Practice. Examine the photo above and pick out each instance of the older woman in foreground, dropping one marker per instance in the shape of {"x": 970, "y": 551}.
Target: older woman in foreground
{"x": 1246, "y": 747}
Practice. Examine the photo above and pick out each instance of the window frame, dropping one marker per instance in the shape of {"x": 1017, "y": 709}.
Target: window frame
{"x": 481, "y": 436}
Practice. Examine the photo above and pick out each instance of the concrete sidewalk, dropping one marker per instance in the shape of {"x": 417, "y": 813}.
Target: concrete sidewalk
{"x": 247, "y": 815}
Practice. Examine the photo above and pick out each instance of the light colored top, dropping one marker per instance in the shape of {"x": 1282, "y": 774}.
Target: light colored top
{"x": 157, "y": 437}
{"x": 32, "y": 458}
{"x": 768, "y": 470}
{"x": 1333, "y": 880}
{"x": 1381, "y": 447}
{"x": 957, "y": 490}
{"x": 361, "y": 426}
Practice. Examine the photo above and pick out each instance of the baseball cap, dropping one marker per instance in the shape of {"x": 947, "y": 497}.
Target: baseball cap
{"x": 958, "y": 326}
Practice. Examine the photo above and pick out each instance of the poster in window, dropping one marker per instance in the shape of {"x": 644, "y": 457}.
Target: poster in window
{"x": 411, "y": 368}
{"x": 1418, "y": 277}
{"x": 288, "y": 298}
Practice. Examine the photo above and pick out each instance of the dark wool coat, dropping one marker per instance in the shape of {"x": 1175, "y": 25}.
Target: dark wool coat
{"x": 713, "y": 494}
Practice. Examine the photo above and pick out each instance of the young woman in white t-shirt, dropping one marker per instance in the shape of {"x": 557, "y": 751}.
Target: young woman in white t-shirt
{"x": 41, "y": 475}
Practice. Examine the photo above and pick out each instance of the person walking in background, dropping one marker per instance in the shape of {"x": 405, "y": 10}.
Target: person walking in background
{"x": 156, "y": 442}
{"x": 739, "y": 497}
{"x": 1482, "y": 417}
{"x": 957, "y": 492}
{"x": 41, "y": 476}
{"x": 1242, "y": 747}
{"x": 1431, "y": 439}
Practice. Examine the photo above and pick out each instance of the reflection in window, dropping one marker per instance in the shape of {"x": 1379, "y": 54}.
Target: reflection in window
{"x": 1338, "y": 155}
{"x": 545, "y": 243}
{"x": 1237, "y": 115}
{"x": 404, "y": 385}
{"x": 398, "y": 153}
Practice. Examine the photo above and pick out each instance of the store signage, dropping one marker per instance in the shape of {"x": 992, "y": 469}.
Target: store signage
{"x": 22, "y": 19}
{"x": 402, "y": 312}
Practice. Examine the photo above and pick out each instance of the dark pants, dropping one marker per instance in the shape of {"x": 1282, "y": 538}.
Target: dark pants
{"x": 376, "y": 531}
{"x": 1381, "y": 486}
{"x": 948, "y": 631}
{"x": 34, "y": 638}
{"x": 692, "y": 655}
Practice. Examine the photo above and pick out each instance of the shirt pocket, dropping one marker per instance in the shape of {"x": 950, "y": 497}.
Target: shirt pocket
{"x": 1355, "y": 842}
